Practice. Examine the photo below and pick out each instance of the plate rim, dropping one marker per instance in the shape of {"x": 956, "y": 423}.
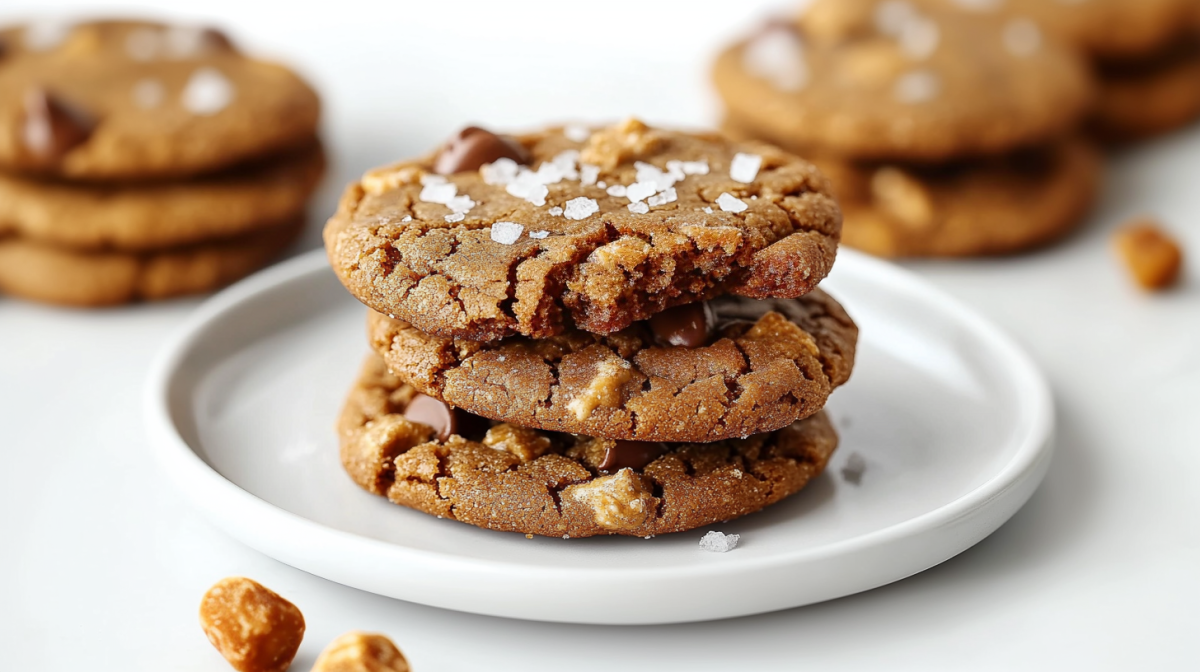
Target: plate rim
{"x": 208, "y": 490}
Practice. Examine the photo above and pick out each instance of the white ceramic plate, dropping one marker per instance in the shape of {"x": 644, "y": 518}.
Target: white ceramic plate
{"x": 949, "y": 421}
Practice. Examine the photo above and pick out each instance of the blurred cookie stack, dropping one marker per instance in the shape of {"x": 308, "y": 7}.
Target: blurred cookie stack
{"x": 584, "y": 332}
{"x": 944, "y": 132}
{"x": 140, "y": 161}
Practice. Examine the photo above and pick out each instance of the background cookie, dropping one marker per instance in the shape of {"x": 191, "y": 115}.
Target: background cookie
{"x": 895, "y": 81}
{"x": 56, "y": 275}
{"x": 601, "y": 229}
{"x": 1145, "y": 98}
{"x": 762, "y": 365}
{"x": 157, "y": 215}
{"x": 518, "y": 480}
{"x": 116, "y": 100}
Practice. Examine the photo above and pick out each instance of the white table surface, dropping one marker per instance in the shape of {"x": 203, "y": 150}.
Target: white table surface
{"x": 102, "y": 565}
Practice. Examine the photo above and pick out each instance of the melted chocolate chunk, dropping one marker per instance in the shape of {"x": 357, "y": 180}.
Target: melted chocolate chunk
{"x": 473, "y": 147}
{"x": 631, "y": 454}
{"x": 688, "y": 326}
{"x": 51, "y": 127}
{"x": 445, "y": 420}
{"x": 218, "y": 40}
{"x": 731, "y": 310}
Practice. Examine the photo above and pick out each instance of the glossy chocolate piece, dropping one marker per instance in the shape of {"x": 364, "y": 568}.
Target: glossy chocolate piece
{"x": 474, "y": 147}
{"x": 218, "y": 40}
{"x": 687, "y": 326}
{"x": 630, "y": 454}
{"x": 434, "y": 413}
{"x": 51, "y": 127}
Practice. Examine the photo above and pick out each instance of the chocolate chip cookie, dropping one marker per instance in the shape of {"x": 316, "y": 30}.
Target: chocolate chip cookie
{"x": 1142, "y": 98}
{"x": 68, "y": 277}
{"x": 887, "y": 80}
{"x": 126, "y": 100}
{"x": 144, "y": 217}
{"x": 505, "y": 477}
{"x": 731, "y": 367}
{"x": 594, "y": 229}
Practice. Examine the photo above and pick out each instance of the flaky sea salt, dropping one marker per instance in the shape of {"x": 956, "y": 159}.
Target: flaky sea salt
{"x": 186, "y": 41}
{"x": 437, "y": 190}
{"x": 1022, "y": 37}
{"x": 207, "y": 92}
{"x": 581, "y": 208}
{"x": 456, "y": 217}
{"x": 588, "y": 174}
{"x": 577, "y": 133}
{"x": 917, "y": 86}
{"x": 407, "y": 218}
{"x": 528, "y": 187}
{"x": 730, "y": 203}
{"x": 506, "y": 233}
{"x": 142, "y": 44}
{"x": 654, "y": 175}
{"x": 667, "y": 196}
{"x": 538, "y": 234}
{"x": 556, "y": 211}
{"x": 45, "y": 35}
{"x": 891, "y": 16}
{"x": 460, "y": 204}
{"x": 617, "y": 190}
{"x": 777, "y": 56}
{"x": 919, "y": 38}
{"x": 708, "y": 211}
{"x": 501, "y": 171}
{"x": 744, "y": 167}
{"x": 639, "y": 191}
{"x": 639, "y": 208}
{"x": 719, "y": 542}
{"x": 688, "y": 167}
{"x": 149, "y": 93}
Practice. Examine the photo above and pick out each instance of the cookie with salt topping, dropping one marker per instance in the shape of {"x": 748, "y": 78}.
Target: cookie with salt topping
{"x": 494, "y": 236}
{"x": 516, "y": 479}
{"x": 705, "y": 371}
{"x": 135, "y": 100}
{"x": 1142, "y": 98}
{"x": 892, "y": 80}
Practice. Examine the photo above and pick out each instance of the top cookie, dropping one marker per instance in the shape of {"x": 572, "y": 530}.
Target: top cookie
{"x": 1107, "y": 29}
{"x": 898, "y": 81}
{"x": 121, "y": 100}
{"x": 599, "y": 229}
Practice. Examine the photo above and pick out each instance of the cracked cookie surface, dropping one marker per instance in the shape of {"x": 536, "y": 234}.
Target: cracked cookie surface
{"x": 517, "y": 480}
{"x": 767, "y": 363}
{"x": 599, "y": 229}
{"x": 133, "y": 100}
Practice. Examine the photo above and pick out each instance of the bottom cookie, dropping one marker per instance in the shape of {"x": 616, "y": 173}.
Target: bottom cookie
{"x": 71, "y": 278}
{"x": 976, "y": 208}
{"x": 1144, "y": 99}
{"x": 502, "y": 477}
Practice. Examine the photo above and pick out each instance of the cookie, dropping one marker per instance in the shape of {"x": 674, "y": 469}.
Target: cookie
{"x": 1105, "y": 29}
{"x": 126, "y": 100}
{"x": 897, "y": 81}
{"x": 151, "y": 216}
{"x": 495, "y": 236}
{"x": 1000, "y": 205}
{"x": 505, "y": 477}
{"x": 67, "y": 277}
{"x": 732, "y": 367}
{"x": 1143, "y": 98}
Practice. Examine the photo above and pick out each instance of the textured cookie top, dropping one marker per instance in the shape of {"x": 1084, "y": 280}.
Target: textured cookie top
{"x": 116, "y": 100}
{"x": 732, "y": 368}
{"x": 891, "y": 80}
{"x": 600, "y": 229}
{"x": 506, "y": 477}
{"x": 157, "y": 215}
{"x": 1107, "y": 29}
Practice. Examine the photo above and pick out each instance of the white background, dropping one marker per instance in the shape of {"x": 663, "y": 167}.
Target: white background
{"x": 102, "y": 566}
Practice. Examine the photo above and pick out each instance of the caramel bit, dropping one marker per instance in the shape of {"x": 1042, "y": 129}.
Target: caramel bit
{"x": 253, "y": 628}
{"x": 361, "y": 652}
{"x": 527, "y": 444}
{"x": 1152, "y": 257}
{"x": 621, "y": 501}
{"x": 378, "y": 181}
{"x": 603, "y": 390}
{"x": 623, "y": 143}
{"x": 902, "y": 197}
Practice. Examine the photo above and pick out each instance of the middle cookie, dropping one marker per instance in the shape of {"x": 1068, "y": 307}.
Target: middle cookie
{"x": 731, "y": 367}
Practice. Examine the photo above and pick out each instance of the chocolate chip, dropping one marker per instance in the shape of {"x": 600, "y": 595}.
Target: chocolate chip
{"x": 445, "y": 420}
{"x": 688, "y": 326}
{"x": 473, "y": 147}
{"x": 217, "y": 40}
{"x": 51, "y": 127}
{"x": 630, "y": 454}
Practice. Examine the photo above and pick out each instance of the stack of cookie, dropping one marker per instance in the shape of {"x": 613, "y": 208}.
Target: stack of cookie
{"x": 1146, "y": 55}
{"x": 944, "y": 133}
{"x": 144, "y": 161}
{"x": 581, "y": 332}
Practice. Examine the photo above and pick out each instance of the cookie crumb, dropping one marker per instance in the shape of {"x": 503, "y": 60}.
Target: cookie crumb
{"x": 581, "y": 208}
{"x": 506, "y": 233}
{"x": 853, "y": 470}
{"x": 361, "y": 652}
{"x": 207, "y": 92}
{"x": 1152, "y": 257}
{"x": 729, "y": 203}
{"x": 528, "y": 536}
{"x": 255, "y": 629}
{"x": 719, "y": 542}
{"x": 744, "y": 167}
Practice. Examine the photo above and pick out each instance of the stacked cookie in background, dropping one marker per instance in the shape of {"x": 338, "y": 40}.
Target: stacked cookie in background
{"x": 1145, "y": 53}
{"x": 144, "y": 161}
{"x": 581, "y": 332}
{"x": 944, "y": 133}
